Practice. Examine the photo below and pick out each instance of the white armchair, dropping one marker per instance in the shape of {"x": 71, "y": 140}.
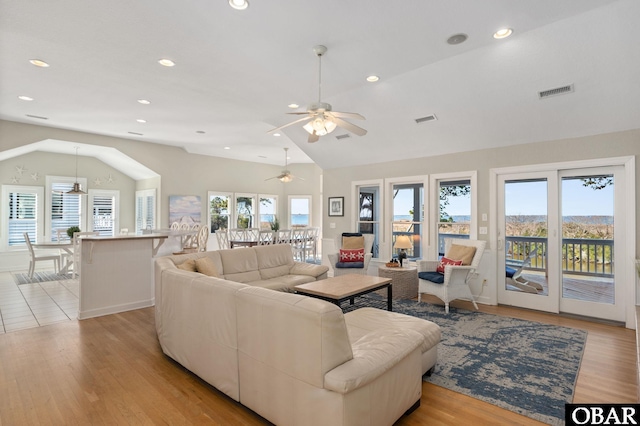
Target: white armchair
{"x": 454, "y": 283}
{"x": 334, "y": 257}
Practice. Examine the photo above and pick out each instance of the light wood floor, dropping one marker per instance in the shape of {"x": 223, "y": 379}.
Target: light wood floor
{"x": 111, "y": 370}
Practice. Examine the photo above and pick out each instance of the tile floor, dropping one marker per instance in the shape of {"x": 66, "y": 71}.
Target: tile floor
{"x": 34, "y": 305}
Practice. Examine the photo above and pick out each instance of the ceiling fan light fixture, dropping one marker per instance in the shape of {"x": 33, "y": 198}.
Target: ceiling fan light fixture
{"x": 239, "y": 4}
{"x": 320, "y": 125}
{"x": 286, "y": 178}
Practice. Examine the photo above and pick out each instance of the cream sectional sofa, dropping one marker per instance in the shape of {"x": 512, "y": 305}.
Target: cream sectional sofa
{"x": 290, "y": 358}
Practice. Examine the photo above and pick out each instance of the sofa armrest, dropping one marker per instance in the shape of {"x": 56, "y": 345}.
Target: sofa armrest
{"x": 301, "y": 268}
{"x": 373, "y": 354}
{"x": 427, "y": 265}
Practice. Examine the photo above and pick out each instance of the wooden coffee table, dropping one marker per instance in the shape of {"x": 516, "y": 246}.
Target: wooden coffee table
{"x": 346, "y": 287}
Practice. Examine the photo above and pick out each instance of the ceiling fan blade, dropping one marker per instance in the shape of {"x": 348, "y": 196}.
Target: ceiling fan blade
{"x": 350, "y": 127}
{"x": 313, "y": 137}
{"x": 346, "y": 115}
{"x": 289, "y": 124}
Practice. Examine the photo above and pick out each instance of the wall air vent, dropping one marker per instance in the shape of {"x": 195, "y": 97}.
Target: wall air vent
{"x": 557, "y": 91}
{"x": 345, "y": 136}
{"x": 37, "y": 116}
{"x": 431, "y": 117}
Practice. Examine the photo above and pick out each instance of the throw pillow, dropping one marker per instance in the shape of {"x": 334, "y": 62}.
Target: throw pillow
{"x": 188, "y": 265}
{"x": 206, "y": 266}
{"x": 446, "y": 261}
{"x": 459, "y": 252}
{"x": 356, "y": 255}
{"x": 353, "y": 243}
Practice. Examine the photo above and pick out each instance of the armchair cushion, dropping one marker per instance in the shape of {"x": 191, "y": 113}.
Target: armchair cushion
{"x": 355, "y": 255}
{"x": 354, "y": 242}
{"x": 434, "y": 277}
{"x": 460, "y": 252}
{"x": 446, "y": 261}
{"x": 349, "y": 264}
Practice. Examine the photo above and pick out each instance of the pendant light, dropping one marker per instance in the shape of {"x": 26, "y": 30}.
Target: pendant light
{"x": 76, "y": 186}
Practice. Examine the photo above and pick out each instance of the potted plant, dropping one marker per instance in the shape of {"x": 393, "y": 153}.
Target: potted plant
{"x": 275, "y": 225}
{"x": 71, "y": 230}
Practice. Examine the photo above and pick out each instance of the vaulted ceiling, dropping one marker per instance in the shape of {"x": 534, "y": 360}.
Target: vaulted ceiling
{"x": 236, "y": 72}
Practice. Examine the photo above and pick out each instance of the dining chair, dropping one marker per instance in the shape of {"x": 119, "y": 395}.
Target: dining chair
{"x": 298, "y": 244}
{"x": 202, "y": 238}
{"x": 283, "y": 236}
{"x": 252, "y": 234}
{"x": 223, "y": 239}
{"x": 311, "y": 242}
{"x": 35, "y": 257}
{"x": 266, "y": 238}
{"x": 237, "y": 234}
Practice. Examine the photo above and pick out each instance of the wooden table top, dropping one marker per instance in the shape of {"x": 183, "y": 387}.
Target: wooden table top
{"x": 342, "y": 286}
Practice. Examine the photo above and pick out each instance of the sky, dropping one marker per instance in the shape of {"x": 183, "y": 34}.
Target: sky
{"x": 529, "y": 198}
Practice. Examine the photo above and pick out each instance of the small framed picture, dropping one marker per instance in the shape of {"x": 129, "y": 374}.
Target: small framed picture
{"x": 336, "y": 206}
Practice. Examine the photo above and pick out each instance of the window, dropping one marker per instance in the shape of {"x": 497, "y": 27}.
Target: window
{"x": 369, "y": 213}
{"x": 408, "y": 218}
{"x": 454, "y": 208}
{"x": 22, "y": 213}
{"x": 145, "y": 210}
{"x": 219, "y": 211}
{"x": 245, "y": 211}
{"x": 268, "y": 210}
{"x": 104, "y": 210}
{"x": 65, "y": 210}
{"x": 299, "y": 211}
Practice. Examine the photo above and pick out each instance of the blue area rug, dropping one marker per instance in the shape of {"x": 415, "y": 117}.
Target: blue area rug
{"x": 39, "y": 277}
{"x": 525, "y": 367}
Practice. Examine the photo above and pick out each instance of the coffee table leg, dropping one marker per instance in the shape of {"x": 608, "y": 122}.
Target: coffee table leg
{"x": 389, "y": 298}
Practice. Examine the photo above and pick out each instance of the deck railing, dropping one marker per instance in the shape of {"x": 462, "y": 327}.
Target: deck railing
{"x": 580, "y": 256}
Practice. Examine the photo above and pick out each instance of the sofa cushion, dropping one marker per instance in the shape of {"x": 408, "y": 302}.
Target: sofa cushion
{"x": 355, "y": 265}
{"x": 274, "y": 260}
{"x": 284, "y": 282}
{"x": 207, "y": 266}
{"x": 188, "y": 265}
{"x": 240, "y": 265}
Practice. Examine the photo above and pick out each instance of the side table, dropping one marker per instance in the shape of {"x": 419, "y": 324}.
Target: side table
{"x": 404, "y": 280}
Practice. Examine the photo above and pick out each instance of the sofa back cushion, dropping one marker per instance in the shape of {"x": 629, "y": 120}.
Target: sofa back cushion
{"x": 240, "y": 265}
{"x": 284, "y": 335}
{"x": 274, "y": 260}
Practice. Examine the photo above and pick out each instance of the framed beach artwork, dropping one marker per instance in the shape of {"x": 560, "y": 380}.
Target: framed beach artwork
{"x": 185, "y": 209}
{"x": 336, "y": 206}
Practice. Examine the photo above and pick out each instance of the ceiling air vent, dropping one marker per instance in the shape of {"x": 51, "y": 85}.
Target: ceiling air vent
{"x": 557, "y": 91}
{"x": 431, "y": 117}
{"x": 345, "y": 136}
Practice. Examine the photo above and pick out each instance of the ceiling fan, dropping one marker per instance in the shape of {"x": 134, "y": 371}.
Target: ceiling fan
{"x": 286, "y": 175}
{"x": 320, "y": 118}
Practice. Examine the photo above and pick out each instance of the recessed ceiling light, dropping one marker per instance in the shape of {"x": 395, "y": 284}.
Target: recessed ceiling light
{"x": 143, "y": 101}
{"x": 293, "y": 106}
{"x": 25, "y": 98}
{"x": 239, "y": 4}
{"x": 276, "y": 134}
{"x": 503, "y": 33}
{"x": 140, "y": 120}
{"x": 457, "y": 39}
{"x": 373, "y": 78}
{"x": 227, "y": 147}
{"x": 166, "y": 62}
{"x": 39, "y": 63}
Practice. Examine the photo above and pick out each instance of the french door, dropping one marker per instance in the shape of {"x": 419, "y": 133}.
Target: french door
{"x": 558, "y": 242}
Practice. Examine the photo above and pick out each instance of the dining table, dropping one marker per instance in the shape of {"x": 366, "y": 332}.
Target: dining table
{"x": 65, "y": 246}
{"x": 242, "y": 243}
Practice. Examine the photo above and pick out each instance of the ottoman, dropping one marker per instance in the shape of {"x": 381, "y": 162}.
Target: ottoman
{"x": 364, "y": 320}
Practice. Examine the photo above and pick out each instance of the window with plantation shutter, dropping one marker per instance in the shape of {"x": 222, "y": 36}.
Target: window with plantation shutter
{"x": 104, "y": 211}
{"x": 145, "y": 209}
{"x": 21, "y": 210}
{"x": 66, "y": 209}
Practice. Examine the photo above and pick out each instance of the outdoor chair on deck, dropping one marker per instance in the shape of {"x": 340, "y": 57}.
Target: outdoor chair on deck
{"x": 448, "y": 279}
{"x": 515, "y": 278}
{"x": 350, "y": 244}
